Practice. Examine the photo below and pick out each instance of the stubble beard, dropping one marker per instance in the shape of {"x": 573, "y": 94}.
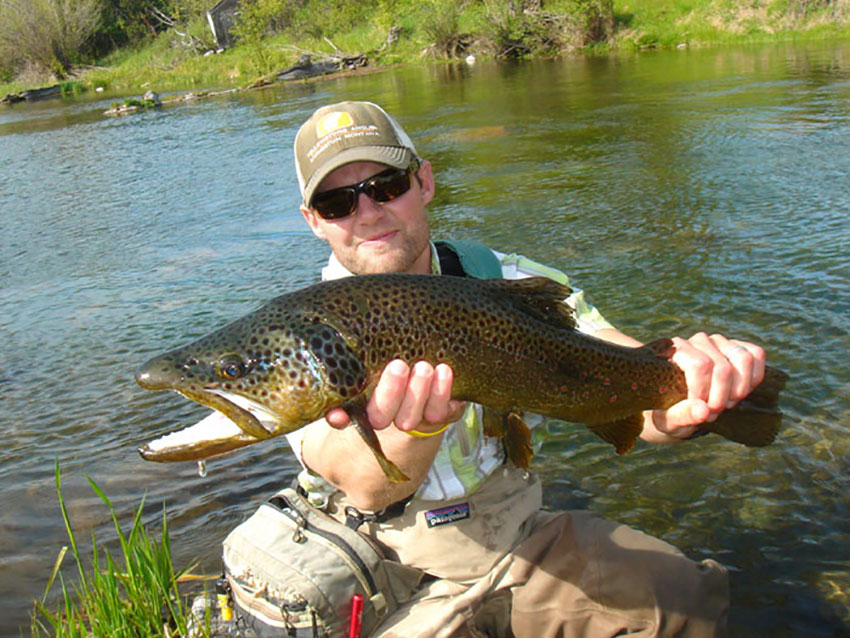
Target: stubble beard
{"x": 398, "y": 260}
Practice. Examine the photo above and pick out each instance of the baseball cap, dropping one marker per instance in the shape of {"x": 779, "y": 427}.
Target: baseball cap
{"x": 346, "y": 132}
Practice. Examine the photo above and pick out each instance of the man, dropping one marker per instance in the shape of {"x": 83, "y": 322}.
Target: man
{"x": 489, "y": 561}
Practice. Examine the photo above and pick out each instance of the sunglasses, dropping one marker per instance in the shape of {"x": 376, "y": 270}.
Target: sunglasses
{"x": 339, "y": 203}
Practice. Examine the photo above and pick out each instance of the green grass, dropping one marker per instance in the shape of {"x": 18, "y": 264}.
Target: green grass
{"x": 665, "y": 23}
{"x": 134, "y": 597}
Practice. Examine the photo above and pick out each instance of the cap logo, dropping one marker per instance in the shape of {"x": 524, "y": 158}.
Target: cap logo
{"x": 337, "y": 129}
{"x": 333, "y": 121}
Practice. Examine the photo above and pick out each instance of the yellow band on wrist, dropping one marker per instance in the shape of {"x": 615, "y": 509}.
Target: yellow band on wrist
{"x": 425, "y": 435}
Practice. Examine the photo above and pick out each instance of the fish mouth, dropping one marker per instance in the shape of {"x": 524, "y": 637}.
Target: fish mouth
{"x": 236, "y": 421}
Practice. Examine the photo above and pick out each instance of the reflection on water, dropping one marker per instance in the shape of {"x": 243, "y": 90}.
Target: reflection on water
{"x": 683, "y": 190}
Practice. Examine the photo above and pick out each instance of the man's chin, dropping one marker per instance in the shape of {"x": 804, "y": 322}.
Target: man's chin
{"x": 382, "y": 262}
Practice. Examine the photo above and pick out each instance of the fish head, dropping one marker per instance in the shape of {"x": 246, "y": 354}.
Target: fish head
{"x": 268, "y": 376}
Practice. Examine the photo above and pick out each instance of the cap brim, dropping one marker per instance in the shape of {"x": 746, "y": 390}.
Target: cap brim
{"x": 396, "y": 156}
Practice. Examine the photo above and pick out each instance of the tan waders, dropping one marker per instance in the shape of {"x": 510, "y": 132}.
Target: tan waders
{"x": 493, "y": 564}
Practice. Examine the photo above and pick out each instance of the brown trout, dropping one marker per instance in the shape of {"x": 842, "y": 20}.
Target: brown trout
{"x": 513, "y": 346}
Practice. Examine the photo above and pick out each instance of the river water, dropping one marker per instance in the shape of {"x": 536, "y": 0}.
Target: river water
{"x": 683, "y": 190}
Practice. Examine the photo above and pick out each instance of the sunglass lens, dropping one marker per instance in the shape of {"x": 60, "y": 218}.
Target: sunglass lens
{"x": 342, "y": 202}
{"x": 388, "y": 186}
{"x": 335, "y": 204}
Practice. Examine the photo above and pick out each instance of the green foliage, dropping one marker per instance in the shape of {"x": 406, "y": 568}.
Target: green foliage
{"x": 128, "y": 21}
{"x": 319, "y": 19}
{"x": 388, "y": 13}
{"x": 274, "y": 32}
{"x": 134, "y": 103}
{"x": 515, "y": 29}
{"x": 803, "y": 8}
{"x": 48, "y": 34}
{"x": 593, "y": 21}
{"x": 509, "y": 29}
{"x": 72, "y": 87}
{"x": 122, "y": 598}
{"x": 440, "y": 24}
{"x": 257, "y": 21}
{"x": 185, "y": 11}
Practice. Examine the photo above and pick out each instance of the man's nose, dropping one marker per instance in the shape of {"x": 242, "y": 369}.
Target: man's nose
{"x": 368, "y": 207}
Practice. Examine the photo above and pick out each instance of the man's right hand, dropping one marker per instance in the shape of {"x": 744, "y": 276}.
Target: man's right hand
{"x": 412, "y": 399}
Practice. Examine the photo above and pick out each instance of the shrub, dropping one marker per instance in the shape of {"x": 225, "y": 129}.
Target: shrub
{"x": 50, "y": 34}
{"x": 440, "y": 24}
{"x": 518, "y": 28}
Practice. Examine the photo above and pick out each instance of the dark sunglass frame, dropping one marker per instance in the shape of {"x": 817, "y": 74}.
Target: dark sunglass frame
{"x": 339, "y": 203}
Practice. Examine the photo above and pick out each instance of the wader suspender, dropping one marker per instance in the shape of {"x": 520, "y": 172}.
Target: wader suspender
{"x": 468, "y": 259}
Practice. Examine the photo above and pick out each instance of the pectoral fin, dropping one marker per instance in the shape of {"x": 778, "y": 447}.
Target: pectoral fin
{"x": 493, "y": 422}
{"x": 357, "y": 412}
{"x": 518, "y": 441}
{"x": 515, "y": 435}
{"x": 621, "y": 434}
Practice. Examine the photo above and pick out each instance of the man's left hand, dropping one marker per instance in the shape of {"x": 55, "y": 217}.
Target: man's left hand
{"x": 719, "y": 373}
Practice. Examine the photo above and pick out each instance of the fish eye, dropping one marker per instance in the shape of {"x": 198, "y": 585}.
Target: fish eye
{"x": 230, "y": 367}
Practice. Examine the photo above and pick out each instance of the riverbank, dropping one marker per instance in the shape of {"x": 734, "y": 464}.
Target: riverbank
{"x": 393, "y": 33}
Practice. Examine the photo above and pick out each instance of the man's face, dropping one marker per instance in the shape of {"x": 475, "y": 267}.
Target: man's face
{"x": 378, "y": 238}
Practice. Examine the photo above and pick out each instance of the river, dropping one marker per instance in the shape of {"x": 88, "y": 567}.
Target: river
{"x": 682, "y": 189}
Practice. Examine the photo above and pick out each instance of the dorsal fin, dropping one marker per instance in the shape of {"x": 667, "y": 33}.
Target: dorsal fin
{"x": 541, "y": 297}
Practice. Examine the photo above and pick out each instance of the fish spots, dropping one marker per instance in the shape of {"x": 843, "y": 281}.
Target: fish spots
{"x": 662, "y": 389}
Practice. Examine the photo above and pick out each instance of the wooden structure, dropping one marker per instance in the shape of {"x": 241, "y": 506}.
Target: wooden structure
{"x": 221, "y": 18}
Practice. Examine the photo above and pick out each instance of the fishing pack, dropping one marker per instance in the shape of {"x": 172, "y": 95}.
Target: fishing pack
{"x": 295, "y": 571}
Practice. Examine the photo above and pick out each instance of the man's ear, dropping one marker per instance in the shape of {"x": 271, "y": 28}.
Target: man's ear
{"x": 313, "y": 222}
{"x": 426, "y": 181}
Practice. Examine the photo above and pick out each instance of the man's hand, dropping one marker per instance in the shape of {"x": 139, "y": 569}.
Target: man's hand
{"x": 719, "y": 373}
{"x": 412, "y": 399}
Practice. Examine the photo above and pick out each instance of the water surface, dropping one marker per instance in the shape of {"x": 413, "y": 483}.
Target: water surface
{"x": 684, "y": 190}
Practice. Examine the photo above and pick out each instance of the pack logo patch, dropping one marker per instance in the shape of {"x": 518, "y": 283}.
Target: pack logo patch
{"x": 446, "y": 515}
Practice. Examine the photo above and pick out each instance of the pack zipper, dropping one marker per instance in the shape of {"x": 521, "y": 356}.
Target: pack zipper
{"x": 330, "y": 538}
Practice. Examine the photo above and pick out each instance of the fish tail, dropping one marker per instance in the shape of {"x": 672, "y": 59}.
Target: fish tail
{"x": 754, "y": 421}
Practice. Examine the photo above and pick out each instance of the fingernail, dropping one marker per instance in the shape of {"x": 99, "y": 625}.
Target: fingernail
{"x": 398, "y": 367}
{"x": 421, "y": 368}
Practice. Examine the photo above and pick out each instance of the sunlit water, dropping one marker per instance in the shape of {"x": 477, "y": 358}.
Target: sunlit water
{"x": 684, "y": 190}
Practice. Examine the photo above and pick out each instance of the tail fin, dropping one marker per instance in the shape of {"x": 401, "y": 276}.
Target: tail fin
{"x": 755, "y": 421}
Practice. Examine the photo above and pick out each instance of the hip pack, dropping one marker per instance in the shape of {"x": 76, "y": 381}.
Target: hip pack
{"x": 295, "y": 571}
